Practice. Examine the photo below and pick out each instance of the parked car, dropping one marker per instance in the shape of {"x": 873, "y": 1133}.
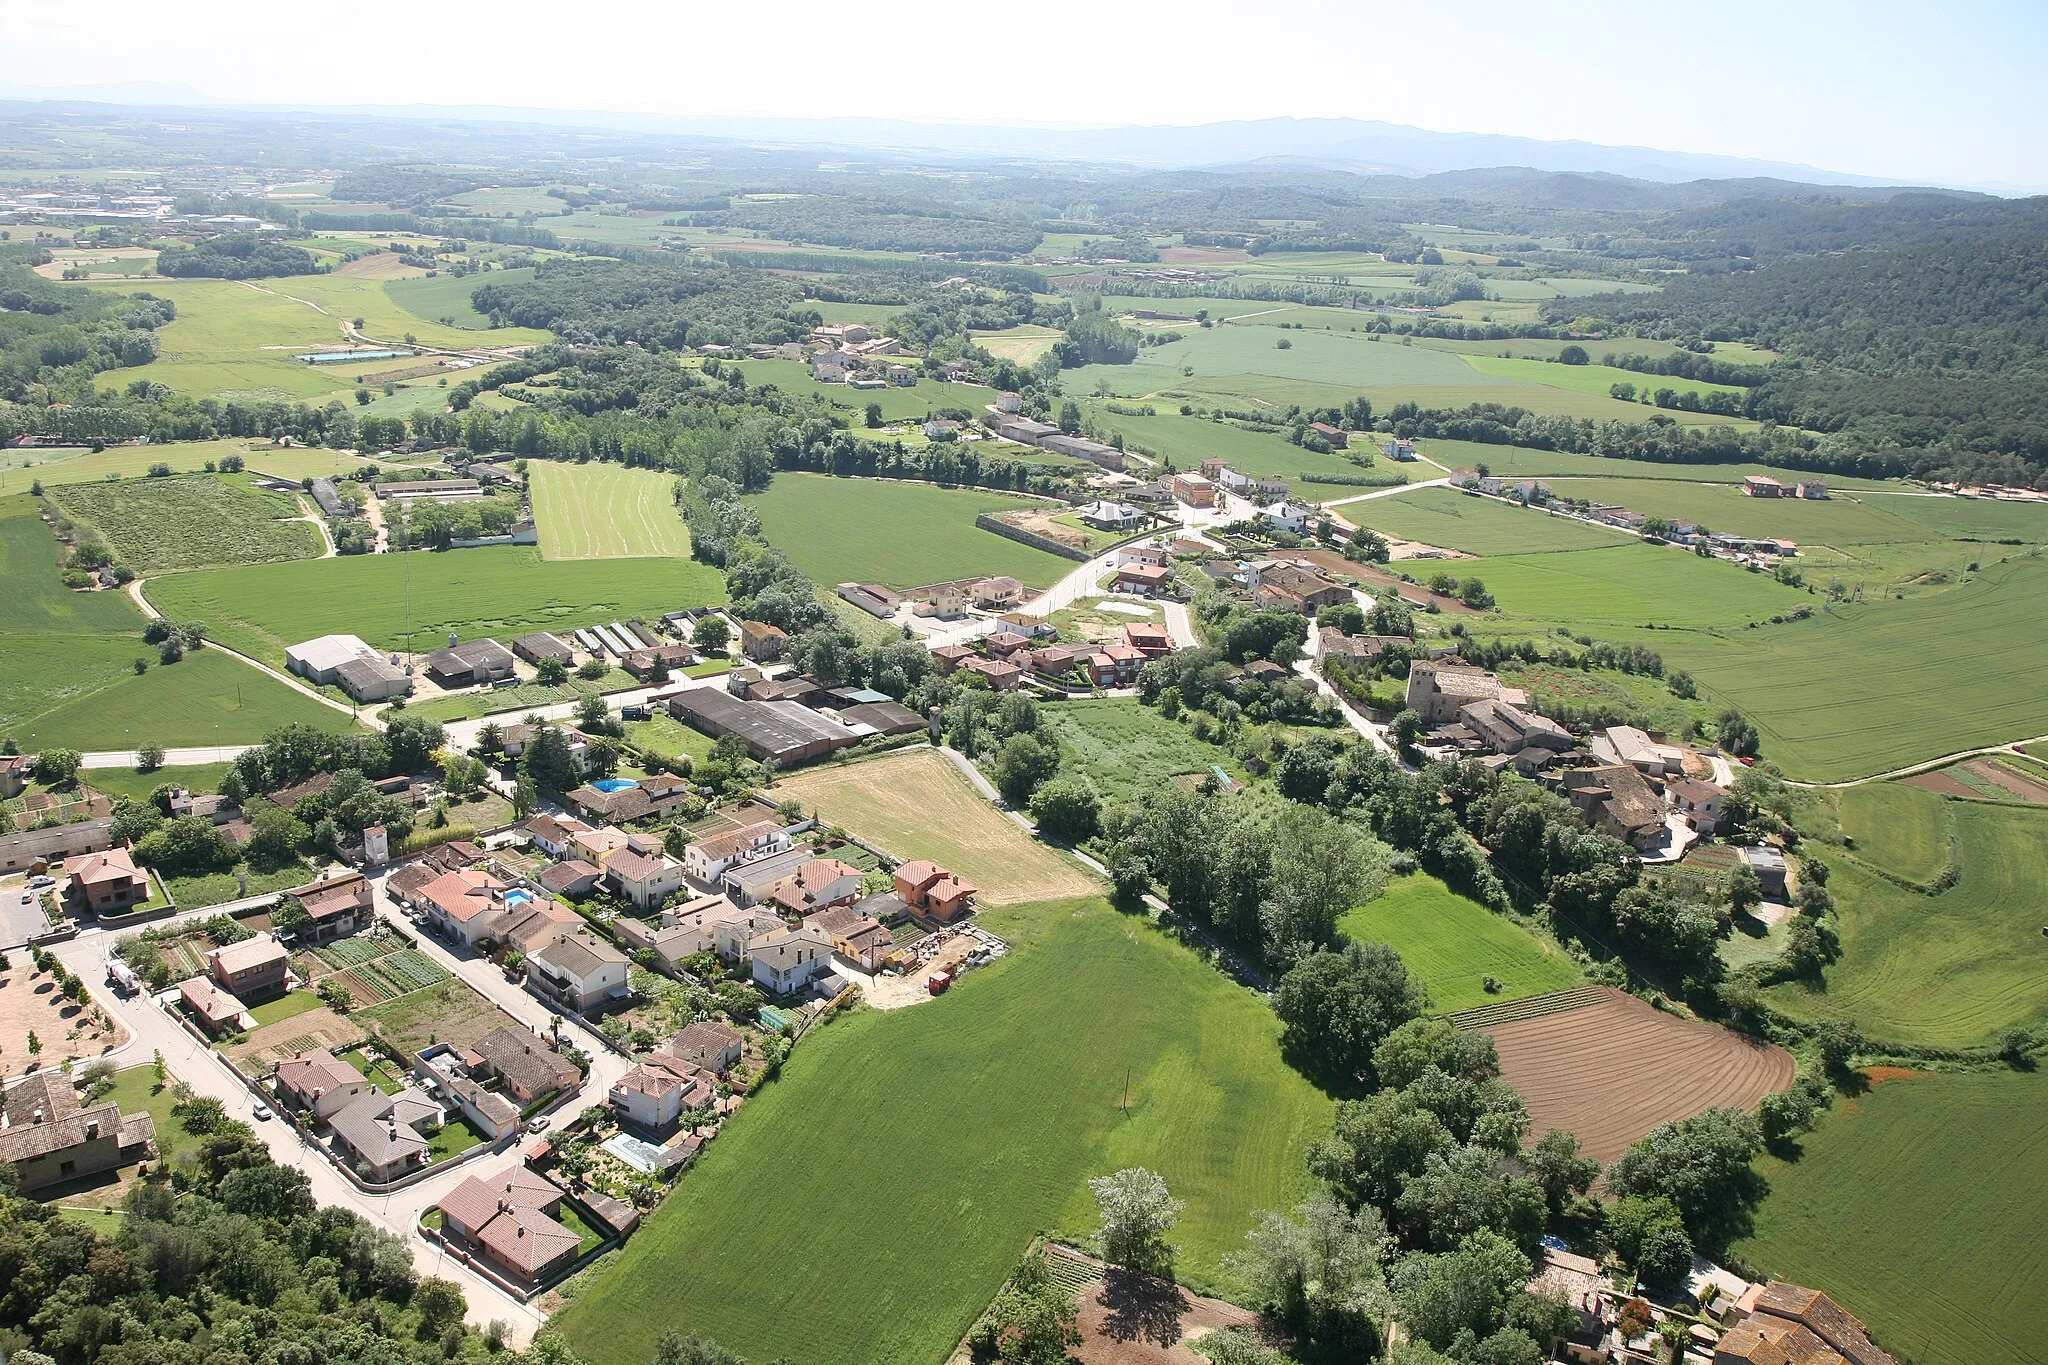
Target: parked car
{"x": 260, "y": 1110}
{"x": 41, "y": 883}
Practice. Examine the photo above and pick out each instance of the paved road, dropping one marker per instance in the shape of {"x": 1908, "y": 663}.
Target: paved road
{"x": 128, "y": 758}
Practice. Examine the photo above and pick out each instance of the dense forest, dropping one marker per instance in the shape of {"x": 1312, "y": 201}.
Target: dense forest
{"x": 54, "y": 341}
{"x": 659, "y": 301}
{"x": 234, "y": 256}
{"x": 885, "y": 225}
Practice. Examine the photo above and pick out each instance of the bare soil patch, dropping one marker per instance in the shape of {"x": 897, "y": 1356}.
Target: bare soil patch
{"x": 31, "y": 1003}
{"x": 2006, "y": 780}
{"x": 1369, "y": 576}
{"x": 1941, "y": 784}
{"x": 321, "y": 1027}
{"x": 1201, "y": 255}
{"x": 382, "y": 266}
{"x": 1611, "y": 1070}
{"x": 1128, "y": 1319}
{"x": 1042, "y": 524}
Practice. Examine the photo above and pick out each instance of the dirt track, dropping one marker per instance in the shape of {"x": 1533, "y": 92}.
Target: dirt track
{"x": 1613, "y": 1070}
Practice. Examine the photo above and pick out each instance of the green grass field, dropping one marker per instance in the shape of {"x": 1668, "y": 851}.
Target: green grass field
{"x": 1452, "y": 520}
{"x": 1185, "y": 442}
{"x": 126, "y": 782}
{"x": 1126, "y": 747}
{"x": 1949, "y": 970}
{"x": 447, "y": 296}
{"x": 191, "y": 522}
{"x": 1593, "y": 379}
{"x": 605, "y": 511}
{"x": 1902, "y": 830}
{"x": 503, "y": 591}
{"x": 1626, "y": 584}
{"x": 894, "y": 1174}
{"x": 1841, "y": 519}
{"x": 205, "y": 698}
{"x": 899, "y": 403}
{"x": 1454, "y": 943}
{"x": 901, "y": 535}
{"x": 1920, "y": 1206}
{"x": 52, "y": 468}
{"x": 311, "y": 462}
{"x": 1515, "y": 462}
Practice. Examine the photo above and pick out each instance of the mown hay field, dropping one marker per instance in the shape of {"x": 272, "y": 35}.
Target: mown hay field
{"x": 1898, "y": 828}
{"x": 1948, "y": 970}
{"x": 898, "y": 534}
{"x": 605, "y": 511}
{"x": 194, "y": 521}
{"x": 500, "y": 591}
{"x": 1475, "y": 525}
{"x": 1454, "y": 944}
{"x": 893, "y": 1174}
{"x": 1919, "y": 1206}
{"x": 916, "y": 804}
{"x": 1622, "y": 585}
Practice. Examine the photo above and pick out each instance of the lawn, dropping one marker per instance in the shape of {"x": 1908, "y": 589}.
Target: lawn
{"x": 503, "y": 591}
{"x": 665, "y": 735}
{"x": 898, "y": 534}
{"x": 1948, "y": 970}
{"x": 982, "y": 1113}
{"x": 134, "y": 1092}
{"x": 379, "y": 1072}
{"x": 1920, "y": 1206}
{"x": 1794, "y": 681}
{"x": 605, "y": 511}
{"x": 1125, "y": 747}
{"x": 18, "y": 468}
{"x": 126, "y": 782}
{"x": 1454, "y": 943}
{"x": 191, "y": 522}
{"x": 1625, "y": 584}
{"x": 453, "y": 1138}
{"x": 1452, "y": 520}
{"x": 206, "y": 698}
{"x": 916, "y": 804}
{"x": 1900, "y": 829}
{"x": 287, "y": 1006}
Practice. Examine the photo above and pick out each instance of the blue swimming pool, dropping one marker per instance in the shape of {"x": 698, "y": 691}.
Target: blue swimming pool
{"x": 615, "y": 784}
{"x": 516, "y": 897}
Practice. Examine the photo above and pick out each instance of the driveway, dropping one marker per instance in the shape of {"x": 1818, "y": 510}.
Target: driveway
{"x": 21, "y": 914}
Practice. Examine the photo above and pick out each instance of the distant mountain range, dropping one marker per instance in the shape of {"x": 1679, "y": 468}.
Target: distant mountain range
{"x": 1359, "y": 146}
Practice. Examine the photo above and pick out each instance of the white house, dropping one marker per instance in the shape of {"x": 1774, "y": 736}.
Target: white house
{"x": 656, "y": 1094}
{"x": 319, "y": 1083}
{"x": 577, "y": 972}
{"x": 1292, "y": 517}
{"x": 789, "y": 959}
{"x": 706, "y": 860}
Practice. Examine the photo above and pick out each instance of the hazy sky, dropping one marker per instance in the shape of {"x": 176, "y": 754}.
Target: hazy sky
{"x": 1948, "y": 93}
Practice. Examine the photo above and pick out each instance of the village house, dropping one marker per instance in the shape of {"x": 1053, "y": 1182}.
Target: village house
{"x": 708, "y": 1044}
{"x": 1768, "y": 862}
{"x": 1292, "y": 517}
{"x": 817, "y": 885}
{"x": 525, "y": 1068}
{"x": 649, "y": 798}
{"x": 1812, "y": 488}
{"x": 384, "y": 1136}
{"x": 510, "y": 1220}
{"x": 578, "y": 972}
{"x": 48, "y": 1138}
{"x": 466, "y": 665}
{"x": 1789, "y": 1324}
{"x": 1280, "y": 585}
{"x": 657, "y": 661}
{"x": 100, "y": 883}
{"x": 338, "y": 906}
{"x": 940, "y": 429}
{"x": 659, "y": 1091}
{"x": 1151, "y": 641}
{"x": 646, "y": 877}
{"x": 252, "y": 970}
{"x": 1437, "y": 692}
{"x": 14, "y": 771}
{"x": 934, "y": 892}
{"x": 785, "y": 961}
{"x": 1618, "y": 800}
{"x": 217, "y": 1011}
{"x": 1194, "y": 490}
{"x": 1701, "y": 803}
{"x": 859, "y": 940}
{"x": 1009, "y": 402}
{"x": 1636, "y": 748}
{"x": 319, "y": 1083}
{"x": 1509, "y": 730}
{"x": 762, "y": 642}
{"x": 1002, "y": 675}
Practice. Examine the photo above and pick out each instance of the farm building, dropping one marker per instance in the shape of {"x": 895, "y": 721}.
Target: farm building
{"x": 1336, "y": 436}
{"x": 438, "y": 490}
{"x": 872, "y": 598}
{"x": 781, "y": 733}
{"x": 479, "y": 661}
{"x": 542, "y": 645}
{"x": 347, "y": 662}
{"x": 1762, "y": 486}
{"x": 883, "y": 718}
{"x": 1081, "y": 448}
{"x": 762, "y": 642}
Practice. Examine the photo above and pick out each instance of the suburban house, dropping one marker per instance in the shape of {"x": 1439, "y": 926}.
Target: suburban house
{"x": 858, "y": 940}
{"x": 598, "y": 843}
{"x": 384, "y": 1136}
{"x": 48, "y": 1138}
{"x": 659, "y": 1091}
{"x": 216, "y": 1010}
{"x": 509, "y": 1220}
{"x": 1194, "y": 490}
{"x": 708, "y": 1044}
{"x": 872, "y": 598}
{"x": 1002, "y": 675}
{"x": 338, "y": 906}
{"x": 346, "y": 662}
{"x": 998, "y": 593}
{"x": 931, "y": 889}
{"x": 705, "y": 860}
{"x": 762, "y": 642}
{"x": 646, "y": 878}
{"x": 319, "y": 1083}
{"x": 944, "y": 601}
{"x": 551, "y": 833}
{"x": 100, "y": 882}
{"x": 1157, "y": 555}
{"x": 573, "y": 878}
{"x": 515, "y": 738}
{"x": 1292, "y": 517}
{"x": 1618, "y": 800}
{"x": 543, "y": 645}
{"x": 253, "y": 969}
{"x": 1636, "y": 748}
{"x": 817, "y": 885}
{"x": 1151, "y": 641}
{"x": 529, "y": 926}
{"x": 577, "y": 972}
{"x": 465, "y": 665}
{"x": 527, "y": 1069}
{"x": 752, "y": 880}
{"x": 1701, "y": 803}
{"x": 1438, "y": 692}
{"x": 1812, "y": 488}
{"x": 1112, "y": 516}
{"x": 1290, "y": 587}
{"x": 460, "y": 902}
{"x": 786, "y": 960}
{"x": 14, "y": 770}
{"x": 1145, "y": 580}
{"x": 1003, "y": 643}
{"x": 650, "y": 797}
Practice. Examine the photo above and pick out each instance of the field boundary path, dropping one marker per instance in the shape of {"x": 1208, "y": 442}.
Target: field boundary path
{"x": 1929, "y": 765}
{"x": 149, "y": 610}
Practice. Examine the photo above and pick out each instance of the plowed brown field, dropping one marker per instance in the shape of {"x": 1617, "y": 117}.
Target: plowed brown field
{"x": 1612, "y": 1070}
